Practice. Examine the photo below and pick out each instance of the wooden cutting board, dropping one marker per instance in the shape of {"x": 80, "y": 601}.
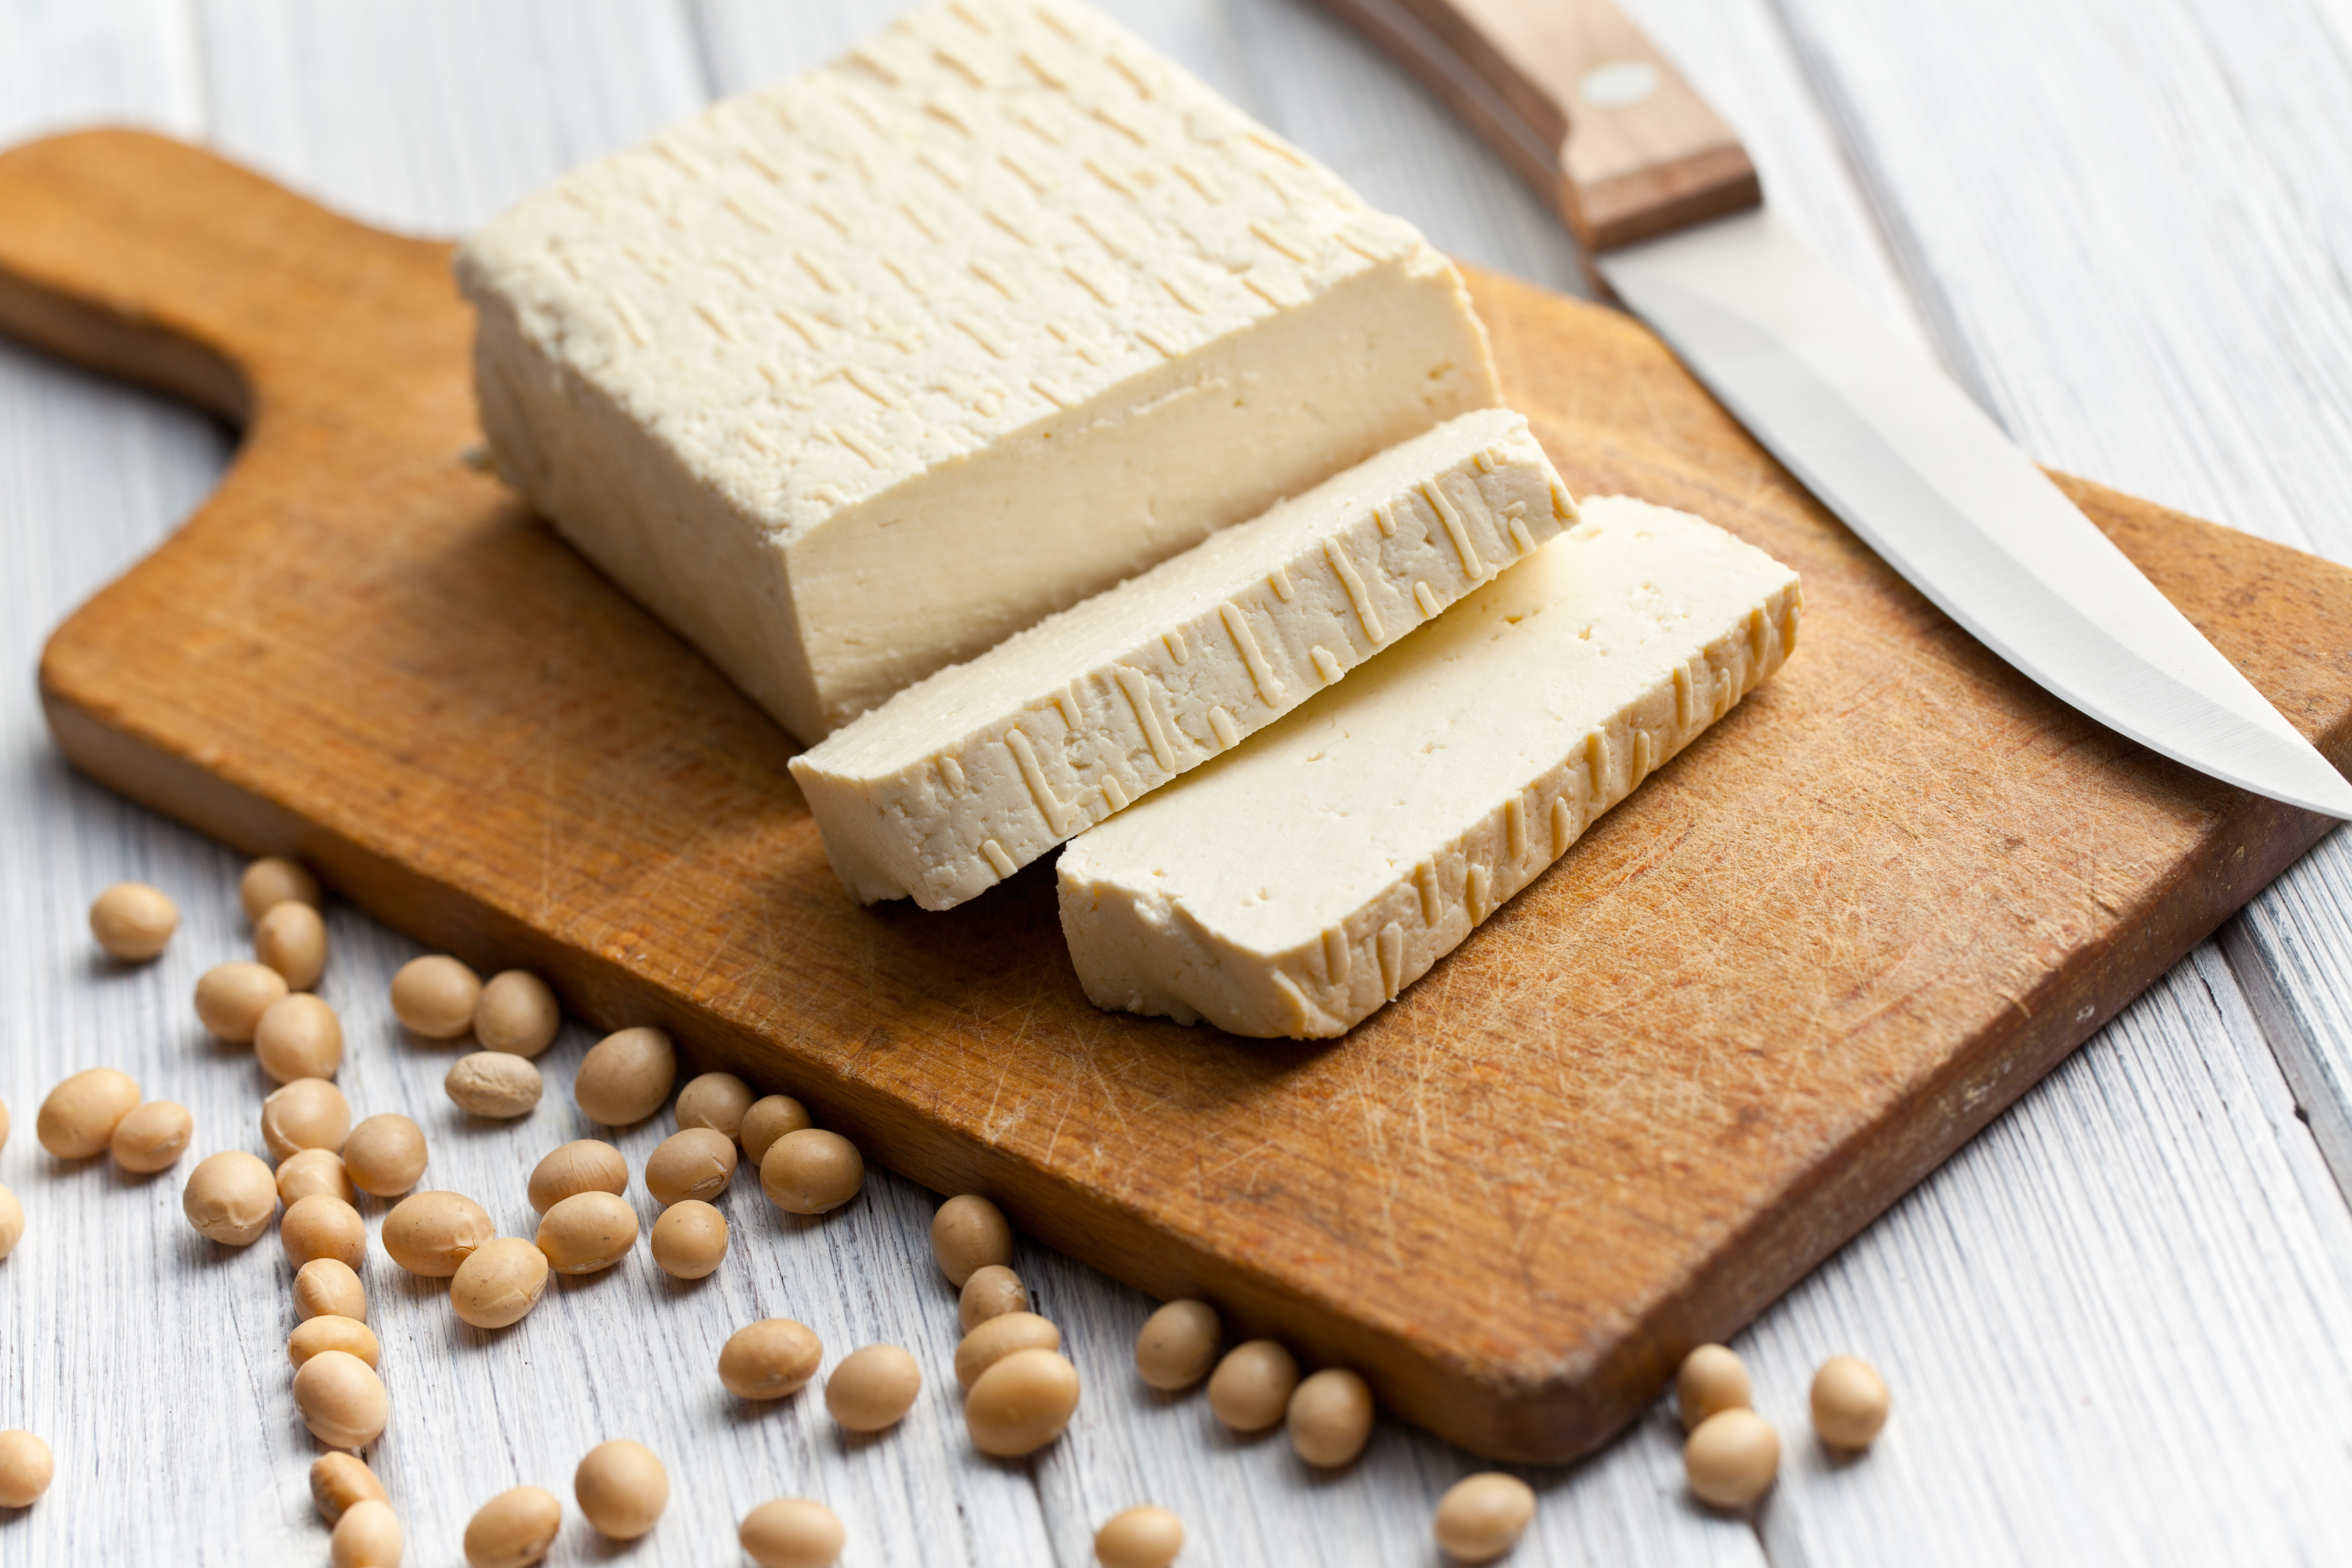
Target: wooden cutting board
{"x": 1764, "y": 996}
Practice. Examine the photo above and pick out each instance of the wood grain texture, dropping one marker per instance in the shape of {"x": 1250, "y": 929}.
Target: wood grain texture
{"x": 475, "y": 738}
{"x": 1627, "y": 164}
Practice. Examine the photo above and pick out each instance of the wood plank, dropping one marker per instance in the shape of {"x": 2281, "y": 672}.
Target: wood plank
{"x": 1196, "y": 1162}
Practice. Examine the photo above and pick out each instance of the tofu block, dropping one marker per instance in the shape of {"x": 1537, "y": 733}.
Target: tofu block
{"x": 963, "y": 778}
{"x": 1297, "y": 884}
{"x": 852, "y": 378}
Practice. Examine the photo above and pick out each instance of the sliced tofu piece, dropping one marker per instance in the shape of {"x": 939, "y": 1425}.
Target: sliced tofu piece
{"x": 854, "y": 377}
{"x": 962, "y": 779}
{"x": 1295, "y": 885}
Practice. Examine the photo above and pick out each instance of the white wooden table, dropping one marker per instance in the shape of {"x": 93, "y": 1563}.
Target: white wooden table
{"x": 2119, "y": 1325}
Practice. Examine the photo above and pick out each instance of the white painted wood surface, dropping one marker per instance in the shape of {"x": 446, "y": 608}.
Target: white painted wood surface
{"x": 2116, "y": 1324}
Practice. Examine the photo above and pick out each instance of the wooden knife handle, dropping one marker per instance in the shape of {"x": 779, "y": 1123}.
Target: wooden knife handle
{"x": 1579, "y": 102}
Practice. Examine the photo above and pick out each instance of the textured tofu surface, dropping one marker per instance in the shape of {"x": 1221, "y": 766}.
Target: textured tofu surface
{"x": 853, "y": 377}
{"x": 1295, "y": 885}
{"x": 964, "y": 777}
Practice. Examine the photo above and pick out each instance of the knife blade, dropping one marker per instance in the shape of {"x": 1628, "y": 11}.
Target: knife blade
{"x": 1671, "y": 216}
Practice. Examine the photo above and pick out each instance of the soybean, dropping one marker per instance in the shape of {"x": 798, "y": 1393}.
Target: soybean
{"x": 309, "y": 1172}
{"x": 230, "y": 1197}
{"x": 299, "y": 1036}
{"x": 968, "y": 1233}
{"x": 690, "y": 1239}
{"x": 431, "y": 1233}
{"x": 3, "y": 1123}
{"x": 329, "y": 1286}
{"x": 338, "y": 1480}
{"x": 1020, "y": 1404}
{"x": 768, "y": 1119}
{"x": 873, "y": 1387}
{"x": 309, "y": 1113}
{"x": 321, "y": 1226}
{"x": 1144, "y": 1537}
{"x": 232, "y": 997}
{"x": 622, "y": 1488}
{"x": 991, "y": 1341}
{"x": 132, "y": 921}
{"x": 697, "y": 1162}
{"x": 291, "y": 938}
{"x": 1849, "y": 1402}
{"x": 812, "y": 1172}
{"x": 1711, "y": 1378}
{"x": 769, "y": 1359}
{"x": 152, "y": 1137}
{"x": 1330, "y": 1417}
{"x": 26, "y": 1467}
{"x": 793, "y": 1532}
{"x": 435, "y": 995}
{"x": 497, "y": 1084}
{"x": 1482, "y": 1516}
{"x": 342, "y": 1400}
{"x": 385, "y": 1154}
{"x": 367, "y": 1536}
{"x": 499, "y": 1283}
{"x": 78, "y": 1118}
{"x": 1251, "y": 1387}
{"x": 586, "y": 1231}
{"x": 583, "y": 1165}
{"x": 273, "y": 880}
{"x": 1179, "y": 1344}
{"x": 513, "y": 1530}
{"x": 718, "y": 1100}
{"x": 625, "y": 1076}
{"x": 12, "y": 1221}
{"x": 332, "y": 1331}
{"x": 990, "y": 1292}
{"x": 1730, "y": 1458}
{"x": 516, "y": 1013}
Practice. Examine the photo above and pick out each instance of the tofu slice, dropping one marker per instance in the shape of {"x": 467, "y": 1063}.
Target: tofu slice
{"x": 853, "y": 377}
{"x": 1296, "y": 885}
{"x": 963, "y": 778}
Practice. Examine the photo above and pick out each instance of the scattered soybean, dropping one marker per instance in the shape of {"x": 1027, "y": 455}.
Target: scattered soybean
{"x": 1142, "y": 1537}
{"x": 873, "y": 1387}
{"x": 793, "y": 1532}
{"x": 1482, "y": 1517}
{"x": 308, "y": 1113}
{"x": 25, "y": 1468}
{"x": 273, "y": 880}
{"x": 768, "y": 1119}
{"x": 1730, "y": 1457}
{"x": 968, "y": 1233}
{"x": 696, "y": 1162}
{"x": 78, "y": 1118}
{"x": 291, "y": 938}
{"x": 322, "y": 1227}
{"x": 329, "y": 1286}
{"x": 1711, "y": 1378}
{"x": 499, "y": 1282}
{"x": 132, "y": 921}
{"x": 367, "y": 1536}
{"x": 12, "y": 1221}
{"x": 341, "y": 1399}
{"x": 307, "y": 1171}
{"x": 622, "y": 1488}
{"x": 991, "y": 1341}
{"x": 1020, "y": 1402}
{"x": 769, "y": 1359}
{"x": 586, "y": 1231}
{"x": 435, "y": 995}
{"x": 992, "y": 1291}
{"x": 338, "y": 1480}
{"x": 432, "y": 1233}
{"x": 152, "y": 1137}
{"x": 690, "y": 1239}
{"x": 230, "y": 1197}
{"x": 513, "y": 1530}
{"x": 812, "y": 1172}
{"x": 496, "y": 1084}
{"x": 1179, "y": 1345}
{"x": 625, "y": 1077}
{"x": 516, "y": 1013}
{"x": 385, "y": 1154}
{"x": 583, "y": 1165}
{"x": 299, "y": 1036}
{"x": 1849, "y": 1402}
{"x": 232, "y": 997}
{"x": 1330, "y": 1417}
{"x": 332, "y": 1331}
{"x": 718, "y": 1100}
{"x": 1251, "y": 1388}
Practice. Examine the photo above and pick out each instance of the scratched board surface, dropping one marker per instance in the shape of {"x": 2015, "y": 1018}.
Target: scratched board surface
{"x": 1752, "y": 1007}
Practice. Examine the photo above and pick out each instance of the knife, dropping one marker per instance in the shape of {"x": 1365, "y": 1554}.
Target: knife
{"x": 1670, "y": 213}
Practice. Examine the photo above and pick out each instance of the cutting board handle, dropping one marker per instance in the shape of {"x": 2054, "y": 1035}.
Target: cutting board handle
{"x": 159, "y": 262}
{"x": 1574, "y": 95}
